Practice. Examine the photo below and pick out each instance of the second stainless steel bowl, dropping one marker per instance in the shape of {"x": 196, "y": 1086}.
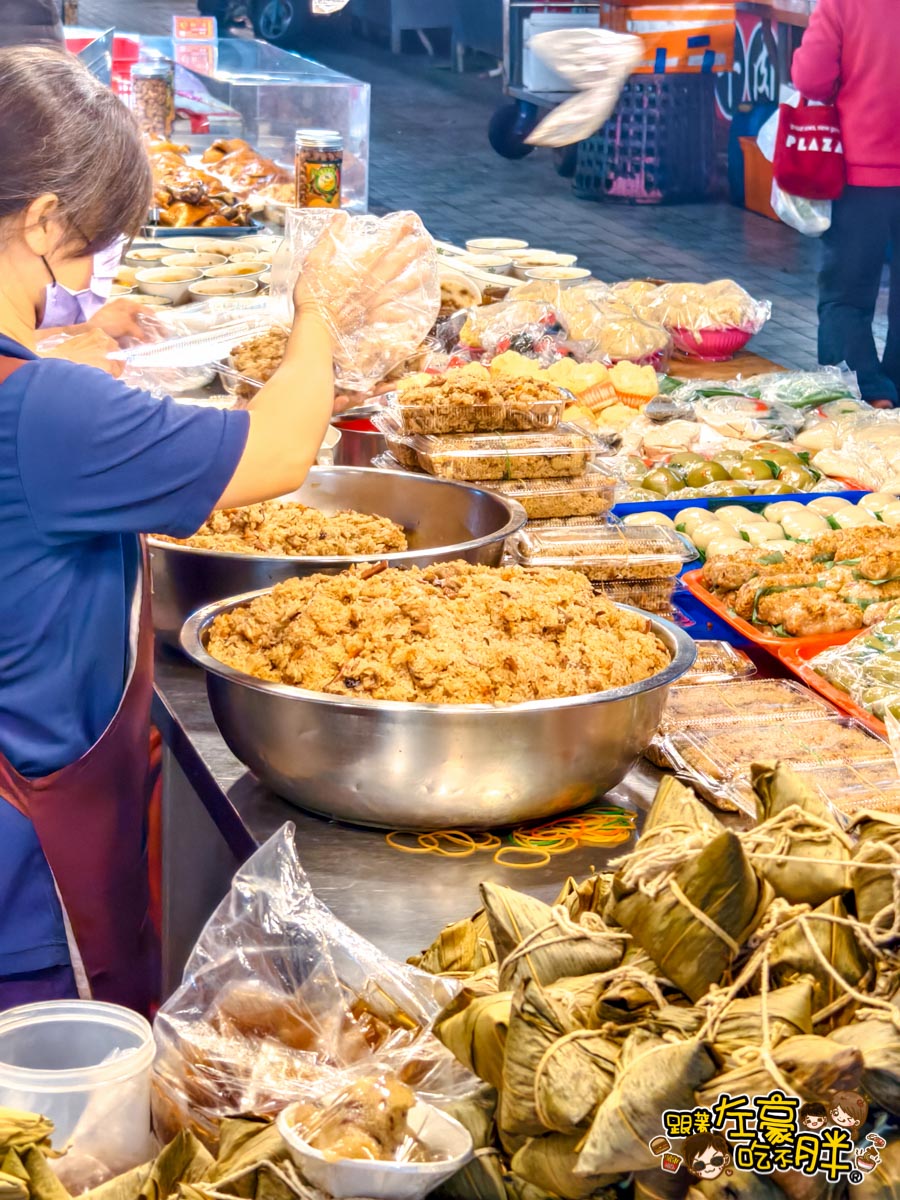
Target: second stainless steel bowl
{"x": 433, "y": 766}
{"x": 443, "y": 521}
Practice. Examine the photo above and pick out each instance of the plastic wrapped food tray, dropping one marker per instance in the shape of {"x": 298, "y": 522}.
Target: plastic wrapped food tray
{"x": 652, "y": 596}
{"x": 852, "y": 788}
{"x": 717, "y": 756}
{"x": 718, "y": 662}
{"x": 740, "y": 700}
{"x": 607, "y": 554}
{"x": 558, "y": 454}
{"x": 567, "y": 523}
{"x": 500, "y": 416}
{"x": 801, "y": 659}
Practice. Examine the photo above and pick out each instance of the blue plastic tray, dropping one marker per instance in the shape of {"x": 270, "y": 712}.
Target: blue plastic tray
{"x": 754, "y": 503}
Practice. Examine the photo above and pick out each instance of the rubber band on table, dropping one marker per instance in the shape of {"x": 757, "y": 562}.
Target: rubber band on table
{"x": 543, "y": 857}
{"x": 419, "y": 849}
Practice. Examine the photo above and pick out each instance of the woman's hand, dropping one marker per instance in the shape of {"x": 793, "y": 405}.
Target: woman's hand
{"x": 91, "y": 349}
{"x": 123, "y": 319}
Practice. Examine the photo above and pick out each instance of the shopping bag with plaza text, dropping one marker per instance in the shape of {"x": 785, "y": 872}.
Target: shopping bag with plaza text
{"x": 809, "y": 153}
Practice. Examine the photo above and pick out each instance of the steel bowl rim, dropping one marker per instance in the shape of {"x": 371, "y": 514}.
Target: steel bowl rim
{"x": 191, "y": 643}
{"x": 516, "y": 518}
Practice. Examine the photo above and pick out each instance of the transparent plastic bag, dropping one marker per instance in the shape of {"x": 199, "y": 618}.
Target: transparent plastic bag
{"x": 720, "y": 305}
{"x": 281, "y": 1002}
{"x": 376, "y": 278}
{"x": 595, "y": 61}
{"x": 868, "y": 667}
{"x": 804, "y": 389}
{"x": 810, "y": 217}
{"x": 749, "y": 419}
{"x": 520, "y": 325}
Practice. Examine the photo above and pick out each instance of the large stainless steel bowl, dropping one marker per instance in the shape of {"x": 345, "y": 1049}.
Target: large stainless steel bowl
{"x": 432, "y": 766}
{"x": 443, "y": 521}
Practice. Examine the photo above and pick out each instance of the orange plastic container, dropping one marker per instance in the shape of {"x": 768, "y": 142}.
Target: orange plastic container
{"x": 693, "y": 581}
{"x": 757, "y": 179}
{"x": 797, "y": 659}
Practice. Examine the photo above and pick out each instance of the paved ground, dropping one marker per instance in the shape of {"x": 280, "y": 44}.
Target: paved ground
{"x": 429, "y": 152}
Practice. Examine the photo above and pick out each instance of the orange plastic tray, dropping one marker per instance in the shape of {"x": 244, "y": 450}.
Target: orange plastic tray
{"x": 692, "y": 580}
{"x": 796, "y": 658}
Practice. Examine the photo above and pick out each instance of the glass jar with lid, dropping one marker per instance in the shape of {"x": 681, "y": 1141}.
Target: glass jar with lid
{"x": 318, "y": 160}
{"x": 153, "y": 96}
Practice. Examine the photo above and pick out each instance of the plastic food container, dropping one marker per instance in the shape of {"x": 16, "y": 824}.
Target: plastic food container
{"x": 653, "y": 596}
{"x": 584, "y": 495}
{"x": 559, "y": 454}
{"x": 348, "y": 1177}
{"x": 741, "y": 700}
{"x": 607, "y": 554}
{"x": 853, "y": 788}
{"x": 718, "y": 662}
{"x": 718, "y": 755}
{"x": 500, "y": 416}
{"x": 86, "y": 1066}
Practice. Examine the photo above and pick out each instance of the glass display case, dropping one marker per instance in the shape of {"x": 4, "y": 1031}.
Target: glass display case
{"x": 240, "y": 88}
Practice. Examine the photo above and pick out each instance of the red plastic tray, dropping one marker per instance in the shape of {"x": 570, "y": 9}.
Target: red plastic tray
{"x": 769, "y": 641}
{"x": 796, "y": 658}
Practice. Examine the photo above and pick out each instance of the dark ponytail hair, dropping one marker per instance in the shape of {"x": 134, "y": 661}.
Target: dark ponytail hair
{"x": 62, "y": 131}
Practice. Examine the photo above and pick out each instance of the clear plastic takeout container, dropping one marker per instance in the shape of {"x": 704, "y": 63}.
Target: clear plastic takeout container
{"x": 590, "y": 494}
{"x": 740, "y": 700}
{"x": 717, "y": 755}
{"x": 442, "y": 415}
{"x": 852, "y": 788}
{"x": 608, "y": 553}
{"x": 85, "y": 1066}
{"x": 652, "y": 595}
{"x": 718, "y": 662}
{"x": 557, "y": 454}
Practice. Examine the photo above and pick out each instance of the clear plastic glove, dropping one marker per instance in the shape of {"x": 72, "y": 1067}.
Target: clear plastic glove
{"x": 375, "y": 280}
{"x": 123, "y": 319}
{"x": 90, "y": 349}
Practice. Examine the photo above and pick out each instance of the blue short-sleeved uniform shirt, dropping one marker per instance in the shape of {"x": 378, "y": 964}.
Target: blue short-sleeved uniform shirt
{"x": 86, "y": 463}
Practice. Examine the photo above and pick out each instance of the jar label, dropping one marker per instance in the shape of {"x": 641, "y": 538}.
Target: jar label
{"x": 323, "y": 185}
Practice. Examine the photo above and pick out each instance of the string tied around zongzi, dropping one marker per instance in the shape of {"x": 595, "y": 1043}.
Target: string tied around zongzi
{"x": 561, "y": 927}
{"x": 659, "y": 854}
{"x": 775, "y": 836}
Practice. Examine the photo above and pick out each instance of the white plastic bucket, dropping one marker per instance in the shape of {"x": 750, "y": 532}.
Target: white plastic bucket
{"x": 85, "y": 1066}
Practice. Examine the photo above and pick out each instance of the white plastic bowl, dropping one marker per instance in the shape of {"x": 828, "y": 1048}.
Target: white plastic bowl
{"x": 234, "y": 270}
{"x": 85, "y": 1066}
{"x": 228, "y": 289}
{"x": 495, "y": 245}
{"x": 172, "y": 283}
{"x": 194, "y": 260}
{"x": 147, "y": 256}
{"x": 566, "y": 277}
{"x": 349, "y": 1177}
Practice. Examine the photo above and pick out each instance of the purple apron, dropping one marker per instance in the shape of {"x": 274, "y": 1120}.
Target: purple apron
{"x": 91, "y": 820}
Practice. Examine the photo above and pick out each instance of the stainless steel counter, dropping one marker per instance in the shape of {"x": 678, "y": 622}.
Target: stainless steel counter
{"x": 215, "y": 813}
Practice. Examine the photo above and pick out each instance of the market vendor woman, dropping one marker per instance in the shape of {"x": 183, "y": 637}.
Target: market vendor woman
{"x": 86, "y": 465}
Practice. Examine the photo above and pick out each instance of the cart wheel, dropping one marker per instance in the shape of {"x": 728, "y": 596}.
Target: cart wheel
{"x": 510, "y": 126}
{"x": 565, "y": 159}
{"x": 281, "y": 22}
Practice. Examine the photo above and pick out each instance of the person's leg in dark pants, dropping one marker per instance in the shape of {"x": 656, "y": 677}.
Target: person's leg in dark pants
{"x": 854, "y": 253}
{"x": 891, "y": 361}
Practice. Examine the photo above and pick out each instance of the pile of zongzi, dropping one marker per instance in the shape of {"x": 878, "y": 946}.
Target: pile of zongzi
{"x": 708, "y": 962}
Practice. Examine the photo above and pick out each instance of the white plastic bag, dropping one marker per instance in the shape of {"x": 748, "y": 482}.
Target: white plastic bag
{"x": 597, "y": 62}
{"x": 809, "y": 217}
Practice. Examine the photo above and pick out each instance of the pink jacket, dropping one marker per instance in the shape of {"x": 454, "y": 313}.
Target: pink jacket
{"x": 849, "y": 55}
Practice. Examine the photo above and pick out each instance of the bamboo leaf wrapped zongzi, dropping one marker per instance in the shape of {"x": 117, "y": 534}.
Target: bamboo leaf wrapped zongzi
{"x": 878, "y": 843}
{"x": 535, "y": 941}
{"x": 879, "y": 1044}
{"x": 474, "y": 1030}
{"x": 692, "y": 919}
{"x": 550, "y": 1163}
{"x": 792, "y": 955}
{"x": 812, "y": 1067}
{"x": 654, "y": 1076}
